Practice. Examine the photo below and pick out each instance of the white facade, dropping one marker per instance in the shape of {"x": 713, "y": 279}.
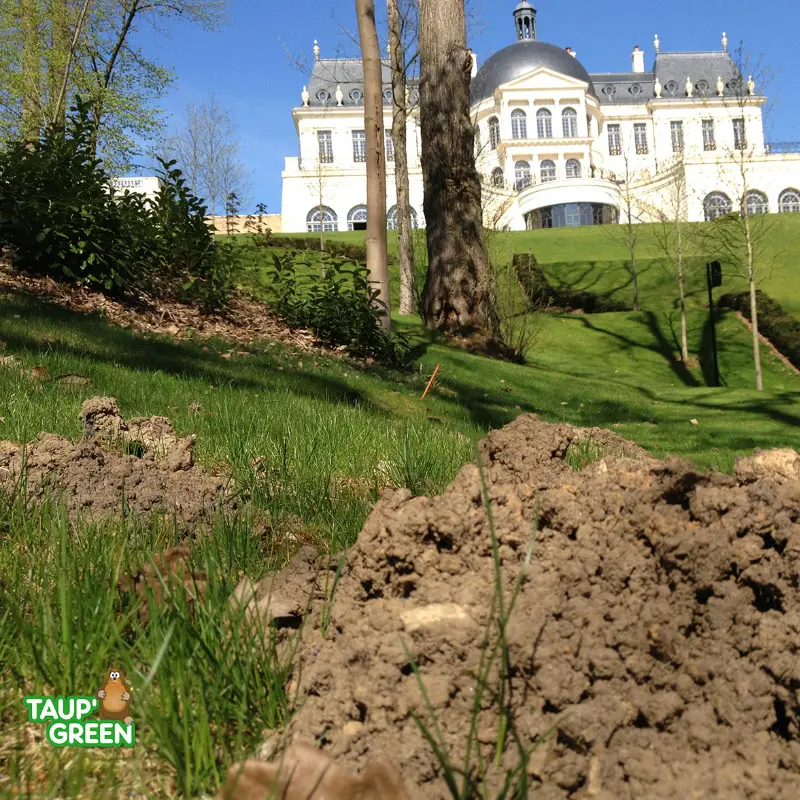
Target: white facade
{"x": 556, "y": 146}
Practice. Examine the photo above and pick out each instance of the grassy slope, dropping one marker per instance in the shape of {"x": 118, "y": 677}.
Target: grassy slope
{"x": 326, "y": 435}
{"x": 595, "y": 259}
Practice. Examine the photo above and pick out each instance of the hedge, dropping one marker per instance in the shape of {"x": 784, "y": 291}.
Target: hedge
{"x": 780, "y": 327}
{"x": 354, "y": 252}
{"x": 540, "y": 294}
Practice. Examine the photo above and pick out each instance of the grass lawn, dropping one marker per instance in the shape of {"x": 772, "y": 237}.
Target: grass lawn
{"x": 310, "y": 440}
{"x": 595, "y": 259}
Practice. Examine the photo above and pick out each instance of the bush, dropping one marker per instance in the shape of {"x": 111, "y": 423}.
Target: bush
{"x": 339, "y": 306}
{"x": 541, "y": 294}
{"x": 781, "y": 328}
{"x": 60, "y": 217}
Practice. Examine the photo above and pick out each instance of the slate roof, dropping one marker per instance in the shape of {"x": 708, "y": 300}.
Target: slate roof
{"x": 672, "y": 69}
{"x": 349, "y": 74}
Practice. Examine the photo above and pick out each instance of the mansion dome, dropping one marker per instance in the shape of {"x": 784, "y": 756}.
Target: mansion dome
{"x": 520, "y": 58}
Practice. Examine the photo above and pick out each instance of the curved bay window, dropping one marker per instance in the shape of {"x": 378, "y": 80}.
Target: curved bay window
{"x": 571, "y": 215}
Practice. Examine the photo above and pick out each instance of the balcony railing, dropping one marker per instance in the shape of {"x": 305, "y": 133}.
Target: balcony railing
{"x": 642, "y": 149}
{"x": 709, "y": 146}
{"x": 783, "y": 147}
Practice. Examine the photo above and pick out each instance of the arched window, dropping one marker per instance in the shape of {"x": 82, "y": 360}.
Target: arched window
{"x": 573, "y": 168}
{"x": 391, "y": 219}
{"x": 322, "y": 218}
{"x": 756, "y": 203}
{"x": 497, "y": 177}
{"x": 569, "y": 121}
{"x": 789, "y": 202}
{"x": 494, "y": 132}
{"x": 357, "y": 218}
{"x": 547, "y": 169}
{"x": 544, "y": 124}
{"x": 522, "y": 175}
{"x": 519, "y": 124}
{"x": 716, "y": 205}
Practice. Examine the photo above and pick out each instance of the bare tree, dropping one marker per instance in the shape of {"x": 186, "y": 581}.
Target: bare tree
{"x": 672, "y": 236}
{"x": 377, "y": 261}
{"x": 459, "y": 290}
{"x": 627, "y": 232}
{"x": 742, "y": 234}
{"x": 207, "y": 151}
{"x": 402, "y": 35}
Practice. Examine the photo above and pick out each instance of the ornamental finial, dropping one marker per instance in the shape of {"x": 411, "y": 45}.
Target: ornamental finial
{"x": 339, "y": 95}
{"x": 657, "y": 88}
{"x": 720, "y": 87}
{"x": 689, "y": 87}
{"x": 316, "y": 50}
{"x": 725, "y": 41}
{"x": 305, "y": 95}
{"x": 657, "y": 43}
{"x": 751, "y": 86}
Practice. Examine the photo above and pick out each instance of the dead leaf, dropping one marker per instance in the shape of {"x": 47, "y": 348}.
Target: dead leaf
{"x": 72, "y": 379}
{"x": 694, "y": 422}
{"x": 194, "y": 408}
{"x": 40, "y": 373}
{"x": 227, "y": 356}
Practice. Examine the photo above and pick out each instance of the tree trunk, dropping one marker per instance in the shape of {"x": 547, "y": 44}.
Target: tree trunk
{"x": 399, "y": 138}
{"x": 377, "y": 262}
{"x": 751, "y": 281}
{"x": 682, "y": 287}
{"x": 57, "y": 58}
{"x": 31, "y": 87}
{"x": 459, "y": 289}
{"x": 634, "y": 272}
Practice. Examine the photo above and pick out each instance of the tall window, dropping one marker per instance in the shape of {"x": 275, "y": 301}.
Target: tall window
{"x": 321, "y": 218}
{"x": 789, "y": 201}
{"x": 676, "y": 129}
{"x": 497, "y": 177}
{"x": 519, "y": 124}
{"x": 547, "y": 169}
{"x": 614, "y": 140}
{"x": 573, "y": 168}
{"x": 325, "y": 147}
{"x": 709, "y": 137}
{"x": 716, "y": 205}
{"x": 522, "y": 175}
{"x": 387, "y": 137}
{"x": 494, "y": 133}
{"x": 544, "y": 124}
{"x": 569, "y": 122}
{"x": 640, "y": 138}
{"x": 756, "y": 203}
{"x": 359, "y": 147}
{"x": 739, "y": 138}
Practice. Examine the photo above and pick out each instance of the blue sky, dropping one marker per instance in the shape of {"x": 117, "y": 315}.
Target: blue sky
{"x": 247, "y": 63}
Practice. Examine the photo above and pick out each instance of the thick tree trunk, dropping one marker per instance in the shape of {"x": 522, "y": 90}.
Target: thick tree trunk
{"x": 459, "y": 290}
{"x": 377, "y": 263}
{"x": 31, "y": 71}
{"x": 399, "y": 138}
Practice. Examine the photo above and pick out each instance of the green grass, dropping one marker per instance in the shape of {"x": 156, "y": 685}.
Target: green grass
{"x": 310, "y": 440}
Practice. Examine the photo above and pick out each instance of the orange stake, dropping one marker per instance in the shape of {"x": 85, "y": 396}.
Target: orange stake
{"x": 430, "y": 382}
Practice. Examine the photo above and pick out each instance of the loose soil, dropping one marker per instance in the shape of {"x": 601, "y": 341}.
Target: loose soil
{"x": 653, "y": 651}
{"x": 141, "y": 460}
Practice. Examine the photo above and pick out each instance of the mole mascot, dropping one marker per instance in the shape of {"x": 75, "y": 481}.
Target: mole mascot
{"x": 115, "y": 697}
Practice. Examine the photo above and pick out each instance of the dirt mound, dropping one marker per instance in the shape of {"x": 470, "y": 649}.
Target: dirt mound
{"x": 141, "y": 460}
{"x": 653, "y": 649}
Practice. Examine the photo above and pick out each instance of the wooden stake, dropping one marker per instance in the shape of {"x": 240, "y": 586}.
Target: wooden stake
{"x": 430, "y": 382}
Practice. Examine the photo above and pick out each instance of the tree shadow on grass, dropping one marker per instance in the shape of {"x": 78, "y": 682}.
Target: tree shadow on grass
{"x": 112, "y": 345}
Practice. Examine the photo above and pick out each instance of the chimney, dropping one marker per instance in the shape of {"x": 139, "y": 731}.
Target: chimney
{"x": 474, "y": 63}
{"x": 638, "y": 59}
{"x": 572, "y": 52}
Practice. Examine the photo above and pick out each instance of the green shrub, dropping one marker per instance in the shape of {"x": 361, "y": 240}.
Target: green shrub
{"x": 338, "y": 306}
{"x": 781, "y": 328}
{"x": 60, "y": 217}
{"x": 352, "y": 252}
{"x": 541, "y": 294}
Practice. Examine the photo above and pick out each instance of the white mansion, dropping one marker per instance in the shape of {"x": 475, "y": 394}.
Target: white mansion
{"x": 555, "y": 145}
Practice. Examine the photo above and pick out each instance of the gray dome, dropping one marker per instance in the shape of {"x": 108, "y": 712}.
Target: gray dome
{"x": 520, "y": 58}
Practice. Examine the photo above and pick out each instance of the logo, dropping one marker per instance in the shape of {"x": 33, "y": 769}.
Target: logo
{"x": 67, "y": 718}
